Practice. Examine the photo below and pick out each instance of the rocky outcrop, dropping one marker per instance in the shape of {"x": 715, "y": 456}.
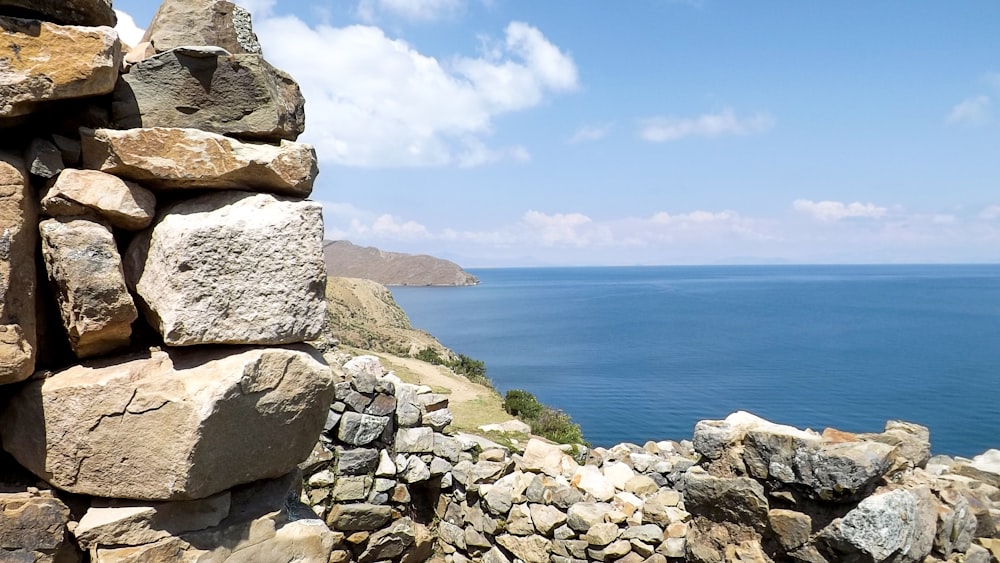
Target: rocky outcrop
{"x": 173, "y": 435}
{"x": 392, "y": 268}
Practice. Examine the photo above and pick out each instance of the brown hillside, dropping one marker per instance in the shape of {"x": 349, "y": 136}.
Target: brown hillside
{"x": 344, "y": 259}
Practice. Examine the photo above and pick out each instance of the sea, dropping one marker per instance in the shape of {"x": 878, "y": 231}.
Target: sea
{"x": 642, "y": 353}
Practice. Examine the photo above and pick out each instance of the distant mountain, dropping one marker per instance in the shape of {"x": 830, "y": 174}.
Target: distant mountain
{"x": 344, "y": 259}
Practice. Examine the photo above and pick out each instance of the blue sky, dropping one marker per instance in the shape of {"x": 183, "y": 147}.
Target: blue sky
{"x": 517, "y": 132}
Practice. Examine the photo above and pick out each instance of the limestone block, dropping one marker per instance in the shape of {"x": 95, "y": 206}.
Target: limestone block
{"x": 208, "y": 88}
{"x": 179, "y": 23}
{"x": 125, "y": 205}
{"x": 84, "y": 267}
{"x": 234, "y": 416}
{"x": 18, "y": 235}
{"x": 232, "y": 268}
{"x": 119, "y": 522}
{"x": 43, "y": 62}
{"x": 72, "y": 12}
{"x": 33, "y": 523}
{"x": 176, "y": 159}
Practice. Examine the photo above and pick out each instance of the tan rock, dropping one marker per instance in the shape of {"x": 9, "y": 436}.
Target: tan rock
{"x": 212, "y": 89}
{"x": 75, "y": 12}
{"x": 180, "y": 23}
{"x": 118, "y": 522}
{"x": 44, "y": 62}
{"x": 234, "y": 416}
{"x": 85, "y": 268}
{"x": 177, "y": 159}
{"x": 530, "y": 549}
{"x": 18, "y": 236}
{"x": 791, "y": 528}
{"x": 125, "y": 205}
{"x": 232, "y": 268}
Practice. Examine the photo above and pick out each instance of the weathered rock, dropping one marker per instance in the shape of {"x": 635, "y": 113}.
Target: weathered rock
{"x": 647, "y": 533}
{"x": 33, "y": 527}
{"x": 180, "y": 159}
{"x": 546, "y": 518}
{"x": 351, "y": 488}
{"x": 582, "y": 515}
{"x": 601, "y": 534}
{"x": 232, "y": 268}
{"x": 547, "y": 458}
{"x": 208, "y": 88}
{"x": 45, "y": 62}
{"x": 739, "y": 500}
{"x": 590, "y": 479}
{"x": 78, "y": 12}
{"x": 100, "y": 430}
{"x": 414, "y": 440}
{"x": 44, "y": 159}
{"x": 84, "y": 267}
{"x": 530, "y": 549}
{"x": 356, "y": 461}
{"x": 898, "y": 524}
{"x": 114, "y": 522}
{"x": 358, "y": 517}
{"x": 984, "y": 467}
{"x": 125, "y": 205}
{"x": 415, "y": 471}
{"x": 361, "y": 429}
{"x": 180, "y": 23}
{"x": 437, "y": 420}
{"x": 18, "y": 236}
{"x": 713, "y": 437}
{"x": 792, "y": 529}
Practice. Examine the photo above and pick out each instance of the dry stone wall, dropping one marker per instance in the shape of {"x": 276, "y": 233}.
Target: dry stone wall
{"x": 160, "y": 270}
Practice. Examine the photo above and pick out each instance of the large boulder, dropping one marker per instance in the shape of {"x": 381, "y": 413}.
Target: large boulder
{"x": 66, "y": 12}
{"x": 739, "y": 500}
{"x": 209, "y": 88}
{"x": 232, "y": 268}
{"x": 85, "y": 269}
{"x": 18, "y": 234}
{"x": 177, "y": 159}
{"x": 44, "y": 62}
{"x": 78, "y": 192}
{"x": 897, "y": 525}
{"x": 175, "y": 425}
{"x": 180, "y": 23}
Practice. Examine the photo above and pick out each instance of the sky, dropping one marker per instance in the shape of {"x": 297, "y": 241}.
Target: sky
{"x": 502, "y": 133}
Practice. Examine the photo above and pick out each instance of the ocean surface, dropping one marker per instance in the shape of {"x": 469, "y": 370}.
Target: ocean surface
{"x": 643, "y": 353}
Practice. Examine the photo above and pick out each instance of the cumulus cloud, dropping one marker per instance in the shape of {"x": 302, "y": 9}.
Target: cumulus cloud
{"x": 990, "y": 213}
{"x": 971, "y": 111}
{"x": 414, "y": 10}
{"x": 375, "y": 101}
{"x": 128, "y": 31}
{"x": 590, "y": 133}
{"x": 831, "y": 211}
{"x": 665, "y": 128}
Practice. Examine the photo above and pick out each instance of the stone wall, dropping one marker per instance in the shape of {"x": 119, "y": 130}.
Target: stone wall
{"x": 160, "y": 270}
{"x": 743, "y": 489}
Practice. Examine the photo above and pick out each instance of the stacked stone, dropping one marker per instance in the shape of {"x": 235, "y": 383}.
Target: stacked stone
{"x": 153, "y": 353}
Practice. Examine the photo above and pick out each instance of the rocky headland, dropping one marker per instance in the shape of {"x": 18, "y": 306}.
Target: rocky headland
{"x": 161, "y": 280}
{"x": 344, "y": 259}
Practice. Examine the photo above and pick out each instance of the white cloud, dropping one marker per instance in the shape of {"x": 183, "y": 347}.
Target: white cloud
{"x": 559, "y": 228}
{"x": 414, "y": 10}
{"x": 590, "y": 133}
{"x": 128, "y": 31}
{"x": 971, "y": 111}
{"x": 831, "y": 211}
{"x": 376, "y": 101}
{"x": 661, "y": 129}
{"x": 990, "y": 213}
{"x": 258, "y": 8}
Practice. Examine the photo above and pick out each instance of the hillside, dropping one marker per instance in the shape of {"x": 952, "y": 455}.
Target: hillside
{"x": 344, "y": 259}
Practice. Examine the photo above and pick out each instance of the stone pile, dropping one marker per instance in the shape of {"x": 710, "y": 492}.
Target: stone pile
{"x": 744, "y": 489}
{"x": 160, "y": 269}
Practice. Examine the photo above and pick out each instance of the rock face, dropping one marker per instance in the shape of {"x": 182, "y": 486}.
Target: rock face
{"x": 76, "y": 12}
{"x": 85, "y": 268}
{"x": 205, "y": 22}
{"x": 391, "y": 268}
{"x": 177, "y": 159}
{"x": 17, "y": 271}
{"x": 211, "y": 89}
{"x": 214, "y": 270}
{"x": 99, "y": 430}
{"x": 46, "y": 62}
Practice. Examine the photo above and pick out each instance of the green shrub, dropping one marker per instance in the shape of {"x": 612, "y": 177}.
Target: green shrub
{"x": 557, "y": 426}
{"x": 520, "y": 403}
{"x": 474, "y": 370}
{"x": 431, "y": 356}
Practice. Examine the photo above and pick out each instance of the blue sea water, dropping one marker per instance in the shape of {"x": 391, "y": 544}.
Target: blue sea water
{"x": 637, "y": 354}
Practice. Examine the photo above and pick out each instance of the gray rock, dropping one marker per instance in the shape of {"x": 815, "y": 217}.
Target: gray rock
{"x": 356, "y": 401}
{"x": 351, "y": 488}
{"x": 361, "y": 429}
{"x": 530, "y": 549}
{"x": 32, "y": 523}
{"x": 577, "y": 549}
{"x": 232, "y": 268}
{"x": 84, "y": 266}
{"x": 415, "y": 471}
{"x": 179, "y": 23}
{"x": 356, "y": 461}
{"x": 407, "y": 410}
{"x": 438, "y": 419}
{"x": 499, "y": 499}
{"x": 391, "y": 542}
{"x": 649, "y": 533}
{"x": 240, "y": 95}
{"x": 358, "y": 517}
{"x": 739, "y": 500}
{"x": 89, "y": 13}
{"x": 546, "y": 518}
{"x": 415, "y": 440}
{"x": 386, "y": 467}
{"x": 583, "y": 515}
{"x": 601, "y": 534}
{"x": 439, "y": 467}
{"x": 494, "y": 555}
{"x": 44, "y": 159}
{"x": 452, "y": 534}
{"x": 381, "y": 405}
{"x": 898, "y": 524}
